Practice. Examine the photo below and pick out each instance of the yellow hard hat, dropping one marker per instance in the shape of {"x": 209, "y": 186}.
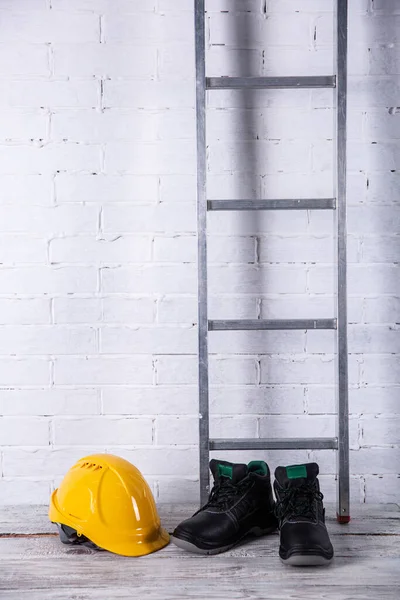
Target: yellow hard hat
{"x": 104, "y": 499}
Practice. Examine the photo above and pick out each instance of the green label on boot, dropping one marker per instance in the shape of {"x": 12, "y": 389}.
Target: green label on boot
{"x": 296, "y": 472}
{"x": 225, "y": 471}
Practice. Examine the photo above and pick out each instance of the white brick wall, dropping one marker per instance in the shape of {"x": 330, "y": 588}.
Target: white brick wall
{"x": 98, "y": 238}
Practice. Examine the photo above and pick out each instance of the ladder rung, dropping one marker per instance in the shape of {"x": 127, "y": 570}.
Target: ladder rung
{"x": 290, "y": 204}
{"x": 257, "y": 324}
{"x": 275, "y": 444}
{"x": 229, "y": 83}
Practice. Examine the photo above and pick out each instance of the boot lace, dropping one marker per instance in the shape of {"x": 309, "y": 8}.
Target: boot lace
{"x": 224, "y": 492}
{"x": 299, "y": 502}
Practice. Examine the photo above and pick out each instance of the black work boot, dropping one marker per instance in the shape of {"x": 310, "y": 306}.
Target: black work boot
{"x": 241, "y": 502}
{"x": 304, "y": 538}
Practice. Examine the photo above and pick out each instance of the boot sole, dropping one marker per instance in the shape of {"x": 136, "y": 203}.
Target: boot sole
{"x": 307, "y": 560}
{"x": 191, "y": 547}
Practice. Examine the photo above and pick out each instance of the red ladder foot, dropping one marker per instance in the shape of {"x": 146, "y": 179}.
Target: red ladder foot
{"x": 343, "y": 519}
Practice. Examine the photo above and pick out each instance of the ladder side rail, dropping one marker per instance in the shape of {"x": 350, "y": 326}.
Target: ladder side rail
{"x": 343, "y": 487}
{"x": 199, "y": 16}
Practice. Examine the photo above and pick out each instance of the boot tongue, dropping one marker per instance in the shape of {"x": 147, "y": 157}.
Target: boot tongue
{"x": 296, "y": 475}
{"x": 223, "y": 470}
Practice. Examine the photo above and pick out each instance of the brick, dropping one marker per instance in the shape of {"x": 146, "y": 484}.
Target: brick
{"x": 290, "y": 156}
{"x": 103, "y": 370}
{"x": 46, "y": 340}
{"x": 49, "y": 462}
{"x": 148, "y": 279}
{"x": 150, "y": 28}
{"x": 374, "y": 219}
{"x": 176, "y": 124}
{"x": 270, "y": 124}
{"x": 170, "y": 490}
{"x": 382, "y": 124}
{"x": 45, "y": 402}
{"x": 380, "y": 249}
{"x": 40, "y": 280}
{"x": 363, "y": 279}
{"x": 45, "y": 27}
{"x": 297, "y": 369}
{"x": 300, "y": 250}
{"x": 55, "y": 220}
{"x": 375, "y": 400}
{"x": 26, "y": 5}
{"x": 380, "y": 156}
{"x": 162, "y": 460}
{"x": 234, "y": 307}
{"x": 297, "y": 185}
{"x": 175, "y": 249}
{"x": 148, "y": 340}
{"x": 298, "y": 60}
{"x": 254, "y": 342}
{"x": 77, "y": 310}
{"x": 161, "y": 217}
{"x": 179, "y": 309}
{"x": 257, "y": 400}
{"x": 148, "y": 95}
{"x": 22, "y": 249}
{"x": 389, "y": 6}
{"x": 49, "y": 94}
{"x": 380, "y": 369}
{"x": 24, "y": 491}
{"x": 363, "y": 339}
{"x": 382, "y": 187}
{"x": 26, "y": 189}
{"x": 176, "y": 430}
{"x": 368, "y": 92}
{"x": 290, "y": 426}
{"x": 150, "y": 158}
{"x": 328, "y": 485}
{"x": 21, "y": 371}
{"x": 254, "y": 279}
{"x": 24, "y": 431}
{"x": 105, "y": 60}
{"x": 99, "y": 127}
{"x": 47, "y": 159}
{"x": 382, "y": 309}
{"x": 374, "y": 279}
{"x": 374, "y": 461}
{"x": 102, "y": 430}
{"x": 250, "y": 31}
{"x": 248, "y": 223}
{"x": 234, "y": 6}
{"x": 177, "y": 188}
{"x": 383, "y": 30}
{"x": 381, "y": 489}
{"x": 101, "y": 250}
{"x": 234, "y": 62}
{"x": 129, "y": 310}
{"x": 380, "y": 430}
{"x": 100, "y": 6}
{"x": 286, "y": 307}
{"x": 23, "y": 125}
{"x": 106, "y": 188}
{"x": 370, "y": 400}
{"x": 288, "y": 6}
{"x": 24, "y": 311}
{"x": 152, "y": 400}
{"x": 25, "y": 60}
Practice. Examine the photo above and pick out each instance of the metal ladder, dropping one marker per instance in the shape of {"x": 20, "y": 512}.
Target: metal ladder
{"x": 338, "y": 204}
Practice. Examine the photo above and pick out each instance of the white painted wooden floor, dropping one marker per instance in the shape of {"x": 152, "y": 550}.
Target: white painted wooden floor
{"x": 36, "y": 566}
